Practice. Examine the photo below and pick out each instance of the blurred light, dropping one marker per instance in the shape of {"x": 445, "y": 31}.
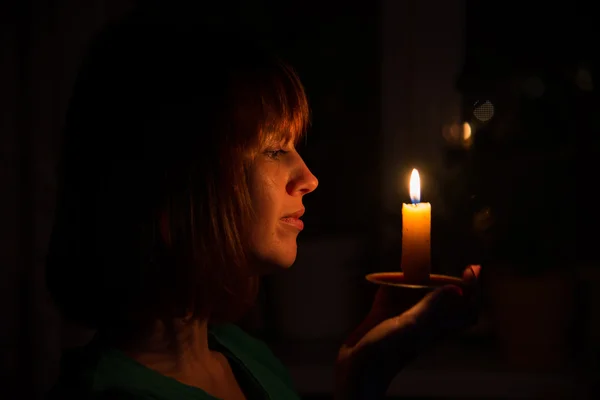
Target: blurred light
{"x": 458, "y": 135}
{"x": 534, "y": 87}
{"x": 484, "y": 111}
{"x": 466, "y": 131}
{"x": 483, "y": 220}
{"x": 583, "y": 80}
{"x": 451, "y": 133}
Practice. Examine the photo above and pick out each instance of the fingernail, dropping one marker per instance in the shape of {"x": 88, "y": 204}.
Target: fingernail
{"x": 475, "y": 270}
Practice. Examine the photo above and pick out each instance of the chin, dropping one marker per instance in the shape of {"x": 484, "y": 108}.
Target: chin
{"x": 275, "y": 262}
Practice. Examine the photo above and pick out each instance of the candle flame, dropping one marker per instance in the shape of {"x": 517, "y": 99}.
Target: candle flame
{"x": 415, "y": 187}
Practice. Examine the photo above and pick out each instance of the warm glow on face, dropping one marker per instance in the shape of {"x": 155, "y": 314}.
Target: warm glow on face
{"x": 415, "y": 187}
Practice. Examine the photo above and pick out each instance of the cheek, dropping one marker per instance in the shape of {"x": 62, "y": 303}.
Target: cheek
{"x": 264, "y": 204}
{"x": 267, "y": 190}
{"x": 273, "y": 244}
{"x": 265, "y": 208}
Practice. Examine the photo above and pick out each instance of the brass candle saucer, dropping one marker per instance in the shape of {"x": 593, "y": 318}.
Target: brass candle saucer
{"x": 397, "y": 279}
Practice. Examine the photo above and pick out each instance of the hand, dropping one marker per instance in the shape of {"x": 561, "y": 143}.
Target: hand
{"x": 395, "y": 331}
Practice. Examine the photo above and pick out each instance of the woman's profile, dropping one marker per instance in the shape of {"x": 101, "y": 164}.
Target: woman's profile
{"x": 180, "y": 186}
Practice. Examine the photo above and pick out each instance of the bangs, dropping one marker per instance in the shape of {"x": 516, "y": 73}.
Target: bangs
{"x": 278, "y": 109}
{"x": 285, "y": 106}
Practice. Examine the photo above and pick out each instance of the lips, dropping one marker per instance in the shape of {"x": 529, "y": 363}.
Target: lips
{"x": 296, "y": 215}
{"x": 294, "y": 219}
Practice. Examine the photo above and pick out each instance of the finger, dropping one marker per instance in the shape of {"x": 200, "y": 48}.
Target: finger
{"x": 471, "y": 280}
{"x": 471, "y": 274}
{"x": 394, "y": 304}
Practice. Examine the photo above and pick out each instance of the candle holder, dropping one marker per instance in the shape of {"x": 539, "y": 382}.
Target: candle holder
{"x": 405, "y": 295}
{"x": 396, "y": 279}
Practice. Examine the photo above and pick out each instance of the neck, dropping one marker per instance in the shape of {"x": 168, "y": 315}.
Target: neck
{"x": 179, "y": 351}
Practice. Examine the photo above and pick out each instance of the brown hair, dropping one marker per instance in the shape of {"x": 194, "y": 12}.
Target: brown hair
{"x": 153, "y": 196}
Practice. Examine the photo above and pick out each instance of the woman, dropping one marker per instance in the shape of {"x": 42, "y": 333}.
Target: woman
{"x": 181, "y": 185}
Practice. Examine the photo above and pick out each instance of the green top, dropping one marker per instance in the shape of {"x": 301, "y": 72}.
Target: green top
{"x": 97, "y": 371}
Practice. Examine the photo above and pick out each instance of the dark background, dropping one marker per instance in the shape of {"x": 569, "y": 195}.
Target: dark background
{"x": 391, "y": 84}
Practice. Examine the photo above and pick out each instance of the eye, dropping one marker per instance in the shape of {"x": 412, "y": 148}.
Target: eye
{"x": 275, "y": 154}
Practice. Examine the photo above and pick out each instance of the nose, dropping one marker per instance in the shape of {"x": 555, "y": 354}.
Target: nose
{"x": 303, "y": 181}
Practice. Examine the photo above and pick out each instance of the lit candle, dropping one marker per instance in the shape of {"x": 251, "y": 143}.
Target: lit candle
{"x": 416, "y": 235}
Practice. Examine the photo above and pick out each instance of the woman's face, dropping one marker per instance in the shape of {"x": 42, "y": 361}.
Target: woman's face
{"x": 279, "y": 179}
